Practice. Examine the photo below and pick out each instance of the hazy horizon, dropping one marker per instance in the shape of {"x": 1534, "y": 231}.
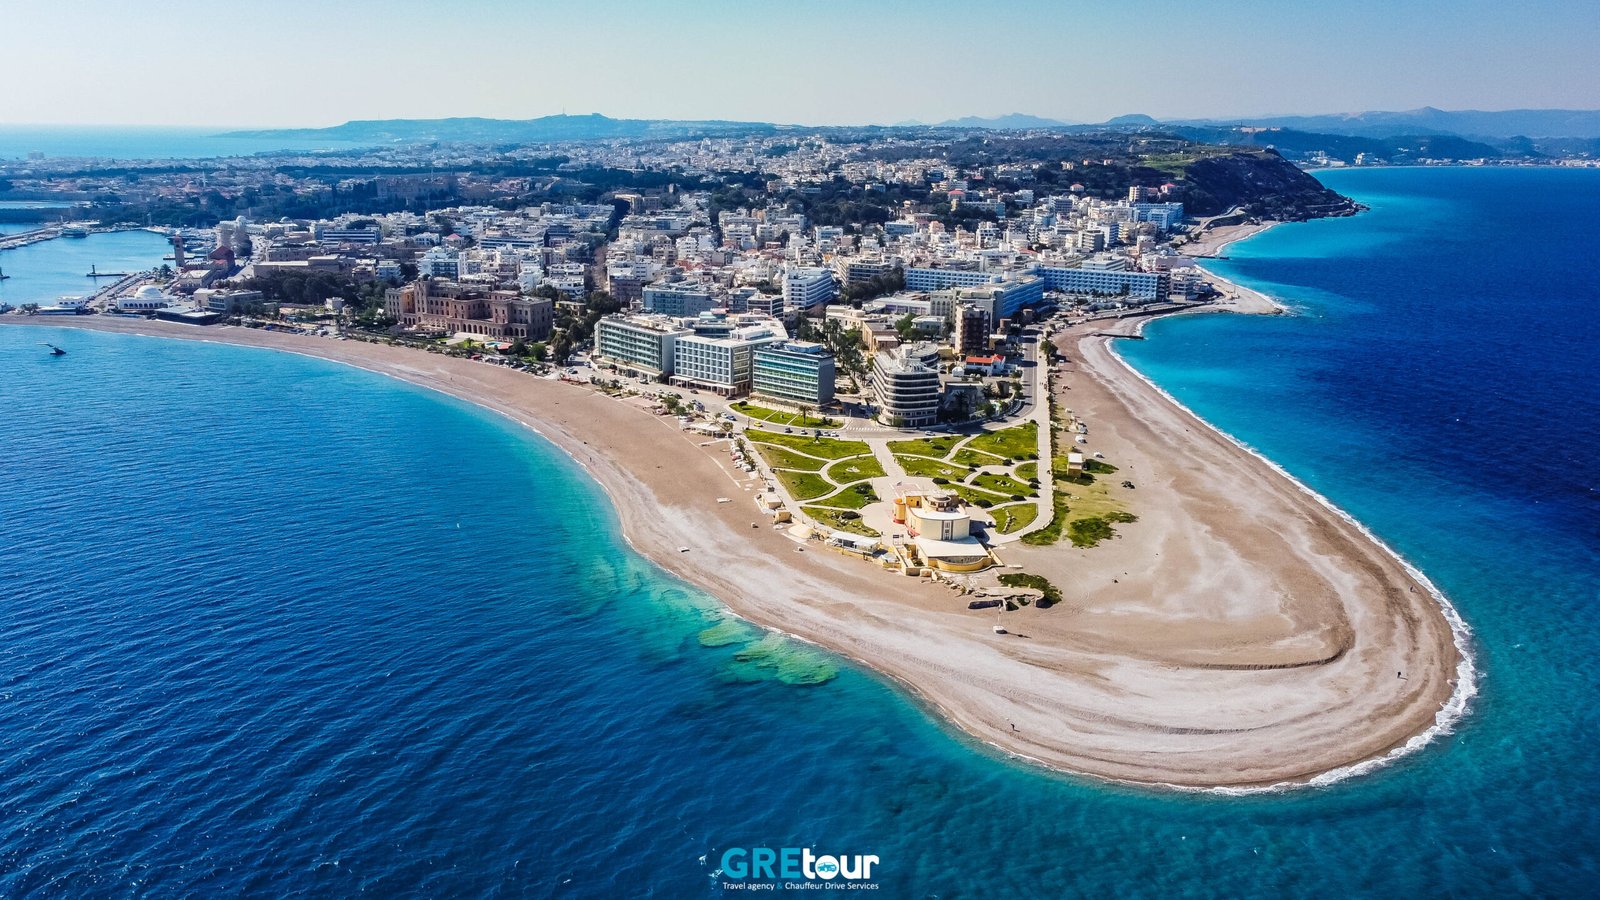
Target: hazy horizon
{"x": 247, "y": 126}
{"x": 299, "y": 64}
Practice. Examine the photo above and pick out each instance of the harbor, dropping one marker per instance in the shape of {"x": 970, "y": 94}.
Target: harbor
{"x": 40, "y": 268}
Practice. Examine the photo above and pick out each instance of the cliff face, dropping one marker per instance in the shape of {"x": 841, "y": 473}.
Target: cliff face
{"x": 1261, "y": 183}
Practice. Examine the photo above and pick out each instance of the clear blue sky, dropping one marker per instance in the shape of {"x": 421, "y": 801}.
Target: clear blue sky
{"x": 296, "y": 62}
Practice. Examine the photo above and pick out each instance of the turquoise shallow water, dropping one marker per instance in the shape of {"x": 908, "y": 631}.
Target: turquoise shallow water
{"x": 275, "y": 626}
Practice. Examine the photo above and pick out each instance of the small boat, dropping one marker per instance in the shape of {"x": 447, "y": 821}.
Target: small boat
{"x": 75, "y": 231}
{"x": 56, "y": 351}
{"x": 999, "y": 629}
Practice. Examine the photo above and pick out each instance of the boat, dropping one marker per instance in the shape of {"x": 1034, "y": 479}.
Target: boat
{"x": 56, "y": 351}
{"x": 74, "y": 231}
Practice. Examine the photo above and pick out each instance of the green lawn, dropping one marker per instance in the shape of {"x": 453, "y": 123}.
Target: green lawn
{"x": 780, "y": 458}
{"x": 1028, "y": 470}
{"x": 936, "y": 447}
{"x": 966, "y": 456}
{"x": 842, "y": 520}
{"x": 929, "y": 468}
{"x": 1018, "y": 441}
{"x": 1051, "y": 532}
{"x": 804, "y": 485}
{"x": 1002, "y": 484}
{"x": 781, "y": 417}
{"x": 1015, "y": 517}
{"x": 855, "y": 468}
{"x": 828, "y": 448}
{"x": 853, "y": 497}
{"x": 972, "y": 495}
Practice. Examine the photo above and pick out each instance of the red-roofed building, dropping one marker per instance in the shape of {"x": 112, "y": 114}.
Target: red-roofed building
{"x": 989, "y": 365}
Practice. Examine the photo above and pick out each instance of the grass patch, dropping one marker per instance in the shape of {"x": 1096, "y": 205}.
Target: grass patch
{"x": 804, "y": 485}
{"x": 978, "y": 498}
{"x": 780, "y": 458}
{"x": 853, "y": 497}
{"x": 969, "y": 457}
{"x": 1003, "y": 484}
{"x": 841, "y": 520}
{"x": 1051, "y": 532}
{"x": 828, "y": 448}
{"x": 1098, "y": 467}
{"x": 1052, "y": 594}
{"x": 1015, "y": 517}
{"x": 936, "y": 447}
{"x": 1091, "y": 530}
{"x": 929, "y": 468}
{"x": 1028, "y": 470}
{"x": 1020, "y": 441}
{"x": 781, "y": 417}
{"x": 856, "y": 468}
{"x": 1093, "y": 500}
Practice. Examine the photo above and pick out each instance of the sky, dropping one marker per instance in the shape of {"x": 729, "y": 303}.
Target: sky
{"x": 812, "y": 62}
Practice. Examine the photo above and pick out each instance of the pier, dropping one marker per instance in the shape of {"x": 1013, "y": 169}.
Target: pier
{"x": 121, "y": 284}
{"x": 51, "y": 232}
{"x": 24, "y": 238}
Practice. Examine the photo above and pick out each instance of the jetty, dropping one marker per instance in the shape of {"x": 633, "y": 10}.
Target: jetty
{"x": 24, "y": 238}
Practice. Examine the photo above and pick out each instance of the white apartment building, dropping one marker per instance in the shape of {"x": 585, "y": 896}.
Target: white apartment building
{"x": 639, "y": 344}
{"x": 798, "y": 373}
{"x": 807, "y": 287}
{"x": 722, "y": 361}
{"x": 906, "y": 389}
{"x": 677, "y": 298}
{"x": 1106, "y": 282}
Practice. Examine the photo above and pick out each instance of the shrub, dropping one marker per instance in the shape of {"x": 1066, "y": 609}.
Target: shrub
{"x": 1017, "y": 498}
{"x": 941, "y": 480}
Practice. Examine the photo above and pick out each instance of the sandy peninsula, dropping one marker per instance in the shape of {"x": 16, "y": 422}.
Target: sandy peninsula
{"x": 1241, "y": 634}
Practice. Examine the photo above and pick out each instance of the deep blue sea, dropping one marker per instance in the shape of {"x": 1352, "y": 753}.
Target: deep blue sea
{"x": 279, "y": 627}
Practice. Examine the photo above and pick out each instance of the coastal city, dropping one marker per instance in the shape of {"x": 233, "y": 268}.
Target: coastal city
{"x": 885, "y": 360}
{"x": 879, "y": 367}
{"x": 679, "y": 450}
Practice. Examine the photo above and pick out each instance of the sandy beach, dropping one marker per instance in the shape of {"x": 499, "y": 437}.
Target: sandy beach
{"x": 1240, "y": 634}
{"x": 1213, "y": 243}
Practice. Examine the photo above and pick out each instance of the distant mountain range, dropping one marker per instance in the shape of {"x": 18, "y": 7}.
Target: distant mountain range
{"x": 1469, "y": 123}
{"x": 592, "y": 127}
{"x": 1010, "y": 122}
{"x": 1496, "y": 128}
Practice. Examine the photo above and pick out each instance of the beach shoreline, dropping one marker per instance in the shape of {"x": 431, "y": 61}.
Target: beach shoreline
{"x": 1210, "y": 244}
{"x": 920, "y": 635}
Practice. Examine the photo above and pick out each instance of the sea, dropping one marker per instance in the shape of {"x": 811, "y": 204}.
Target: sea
{"x": 280, "y": 627}
{"x": 26, "y": 142}
{"x": 46, "y": 271}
